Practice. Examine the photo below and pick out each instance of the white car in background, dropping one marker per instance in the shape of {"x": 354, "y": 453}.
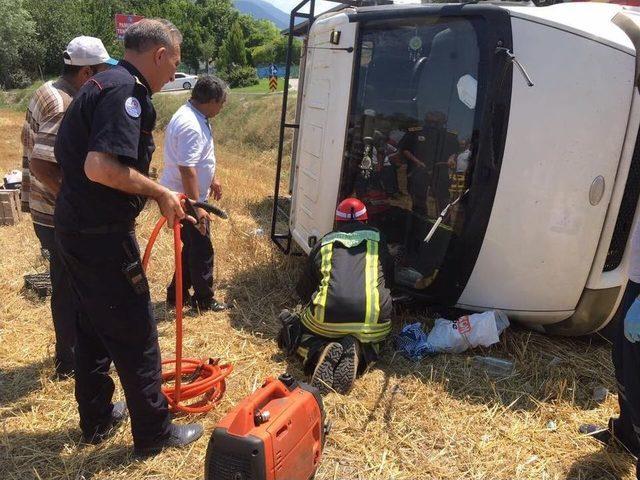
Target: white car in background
{"x": 182, "y": 81}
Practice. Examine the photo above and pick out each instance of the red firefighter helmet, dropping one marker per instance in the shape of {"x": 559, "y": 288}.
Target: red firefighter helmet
{"x": 351, "y": 209}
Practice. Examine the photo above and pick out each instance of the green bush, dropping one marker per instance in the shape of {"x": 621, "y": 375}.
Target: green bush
{"x": 18, "y": 79}
{"x": 240, "y": 77}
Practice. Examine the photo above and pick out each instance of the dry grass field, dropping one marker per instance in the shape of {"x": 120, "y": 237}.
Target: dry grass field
{"x": 437, "y": 419}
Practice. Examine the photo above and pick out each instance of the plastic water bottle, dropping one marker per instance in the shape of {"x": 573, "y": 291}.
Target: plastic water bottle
{"x": 496, "y": 367}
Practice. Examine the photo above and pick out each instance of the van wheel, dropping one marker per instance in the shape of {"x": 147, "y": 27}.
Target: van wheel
{"x": 186, "y": 86}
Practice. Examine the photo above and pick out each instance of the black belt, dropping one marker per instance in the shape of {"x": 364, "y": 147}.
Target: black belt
{"x": 122, "y": 227}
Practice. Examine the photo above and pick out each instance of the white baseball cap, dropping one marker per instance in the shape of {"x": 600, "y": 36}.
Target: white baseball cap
{"x": 84, "y": 50}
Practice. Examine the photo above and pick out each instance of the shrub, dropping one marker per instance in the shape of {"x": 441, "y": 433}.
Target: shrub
{"x": 18, "y": 79}
{"x": 240, "y": 77}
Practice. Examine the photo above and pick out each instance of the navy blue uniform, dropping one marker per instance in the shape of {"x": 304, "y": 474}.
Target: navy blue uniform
{"x": 626, "y": 360}
{"x": 94, "y": 224}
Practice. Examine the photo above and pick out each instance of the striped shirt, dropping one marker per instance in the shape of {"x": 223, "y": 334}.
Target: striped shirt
{"x": 44, "y": 115}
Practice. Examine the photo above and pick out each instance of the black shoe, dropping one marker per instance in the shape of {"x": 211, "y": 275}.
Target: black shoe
{"x": 344, "y": 376}
{"x": 179, "y": 436}
{"x": 171, "y": 301}
{"x": 604, "y": 435}
{"x": 118, "y": 416}
{"x": 322, "y": 377}
{"x": 211, "y": 305}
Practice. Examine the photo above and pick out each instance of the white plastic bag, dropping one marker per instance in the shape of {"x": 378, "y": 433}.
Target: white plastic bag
{"x": 467, "y": 332}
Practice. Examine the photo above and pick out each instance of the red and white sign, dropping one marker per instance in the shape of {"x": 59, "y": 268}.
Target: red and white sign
{"x": 124, "y": 21}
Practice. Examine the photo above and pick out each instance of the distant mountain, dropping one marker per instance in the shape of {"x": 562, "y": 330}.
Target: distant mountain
{"x": 262, "y": 9}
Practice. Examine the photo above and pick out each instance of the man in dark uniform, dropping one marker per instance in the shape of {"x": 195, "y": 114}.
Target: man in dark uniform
{"x": 104, "y": 148}
{"x": 428, "y": 150}
{"x": 625, "y": 429}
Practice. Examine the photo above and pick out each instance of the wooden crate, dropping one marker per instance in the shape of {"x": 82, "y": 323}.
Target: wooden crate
{"x": 10, "y": 213}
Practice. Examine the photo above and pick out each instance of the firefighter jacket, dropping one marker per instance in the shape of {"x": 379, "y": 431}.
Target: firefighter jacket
{"x": 344, "y": 284}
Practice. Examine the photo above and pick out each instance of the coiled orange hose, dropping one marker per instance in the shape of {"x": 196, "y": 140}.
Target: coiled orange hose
{"x": 203, "y": 380}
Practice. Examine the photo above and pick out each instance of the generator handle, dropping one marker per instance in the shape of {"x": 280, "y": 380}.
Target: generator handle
{"x": 245, "y": 420}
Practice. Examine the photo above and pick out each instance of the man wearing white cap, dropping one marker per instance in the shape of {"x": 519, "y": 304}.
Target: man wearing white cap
{"x": 83, "y": 58}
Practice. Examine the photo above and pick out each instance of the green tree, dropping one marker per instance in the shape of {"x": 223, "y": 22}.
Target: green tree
{"x": 233, "y": 51}
{"x": 257, "y": 32}
{"x": 36, "y": 32}
{"x": 275, "y": 51}
{"x": 19, "y": 46}
{"x": 57, "y": 22}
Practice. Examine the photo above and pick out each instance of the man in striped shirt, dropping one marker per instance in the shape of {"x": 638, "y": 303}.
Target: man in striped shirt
{"x": 84, "y": 57}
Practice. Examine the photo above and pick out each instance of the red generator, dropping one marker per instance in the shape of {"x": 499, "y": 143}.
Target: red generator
{"x": 278, "y": 432}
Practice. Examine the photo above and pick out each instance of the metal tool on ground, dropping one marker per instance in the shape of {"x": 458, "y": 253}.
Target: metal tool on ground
{"x": 278, "y": 432}
{"x": 202, "y": 381}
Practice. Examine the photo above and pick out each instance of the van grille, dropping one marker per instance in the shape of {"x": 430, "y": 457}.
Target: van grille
{"x": 625, "y": 214}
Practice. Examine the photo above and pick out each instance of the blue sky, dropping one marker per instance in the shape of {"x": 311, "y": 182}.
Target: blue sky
{"x": 287, "y": 5}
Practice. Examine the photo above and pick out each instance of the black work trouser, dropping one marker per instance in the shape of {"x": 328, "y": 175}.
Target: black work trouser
{"x": 115, "y": 323}
{"x": 626, "y": 360}
{"x": 197, "y": 265}
{"x": 63, "y": 309}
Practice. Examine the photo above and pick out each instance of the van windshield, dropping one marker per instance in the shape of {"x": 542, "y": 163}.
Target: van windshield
{"x": 411, "y": 137}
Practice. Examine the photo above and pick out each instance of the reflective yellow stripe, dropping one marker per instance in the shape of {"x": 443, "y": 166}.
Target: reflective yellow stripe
{"x": 364, "y": 333}
{"x": 320, "y": 301}
{"x": 371, "y": 284}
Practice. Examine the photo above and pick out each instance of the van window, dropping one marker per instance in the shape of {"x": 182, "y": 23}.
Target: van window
{"x": 409, "y": 144}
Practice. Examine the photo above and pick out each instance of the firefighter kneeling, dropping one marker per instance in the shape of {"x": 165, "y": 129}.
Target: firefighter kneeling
{"x": 348, "y": 311}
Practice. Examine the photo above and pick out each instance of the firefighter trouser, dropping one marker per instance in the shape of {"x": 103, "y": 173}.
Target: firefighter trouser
{"x": 626, "y": 360}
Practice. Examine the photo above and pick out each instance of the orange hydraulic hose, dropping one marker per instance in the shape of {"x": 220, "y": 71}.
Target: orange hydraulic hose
{"x": 205, "y": 379}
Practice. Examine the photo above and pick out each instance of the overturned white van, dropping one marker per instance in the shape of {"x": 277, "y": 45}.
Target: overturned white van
{"x": 527, "y": 116}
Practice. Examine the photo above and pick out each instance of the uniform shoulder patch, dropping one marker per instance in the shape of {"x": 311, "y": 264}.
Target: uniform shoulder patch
{"x": 132, "y": 107}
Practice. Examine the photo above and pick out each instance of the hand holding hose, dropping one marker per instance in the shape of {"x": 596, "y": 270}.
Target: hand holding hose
{"x": 172, "y": 207}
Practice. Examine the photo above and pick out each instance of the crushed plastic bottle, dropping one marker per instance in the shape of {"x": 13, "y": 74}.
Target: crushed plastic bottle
{"x": 497, "y": 367}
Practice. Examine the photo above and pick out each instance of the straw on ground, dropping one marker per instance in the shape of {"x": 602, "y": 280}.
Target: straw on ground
{"x": 437, "y": 419}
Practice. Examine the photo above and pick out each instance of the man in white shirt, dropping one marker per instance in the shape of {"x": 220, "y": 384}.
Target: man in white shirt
{"x": 190, "y": 167}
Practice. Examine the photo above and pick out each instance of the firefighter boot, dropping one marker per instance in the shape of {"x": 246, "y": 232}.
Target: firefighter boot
{"x": 345, "y": 373}
{"x": 323, "y": 373}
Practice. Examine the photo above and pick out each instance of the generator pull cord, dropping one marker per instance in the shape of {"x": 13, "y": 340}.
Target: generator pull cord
{"x": 203, "y": 380}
